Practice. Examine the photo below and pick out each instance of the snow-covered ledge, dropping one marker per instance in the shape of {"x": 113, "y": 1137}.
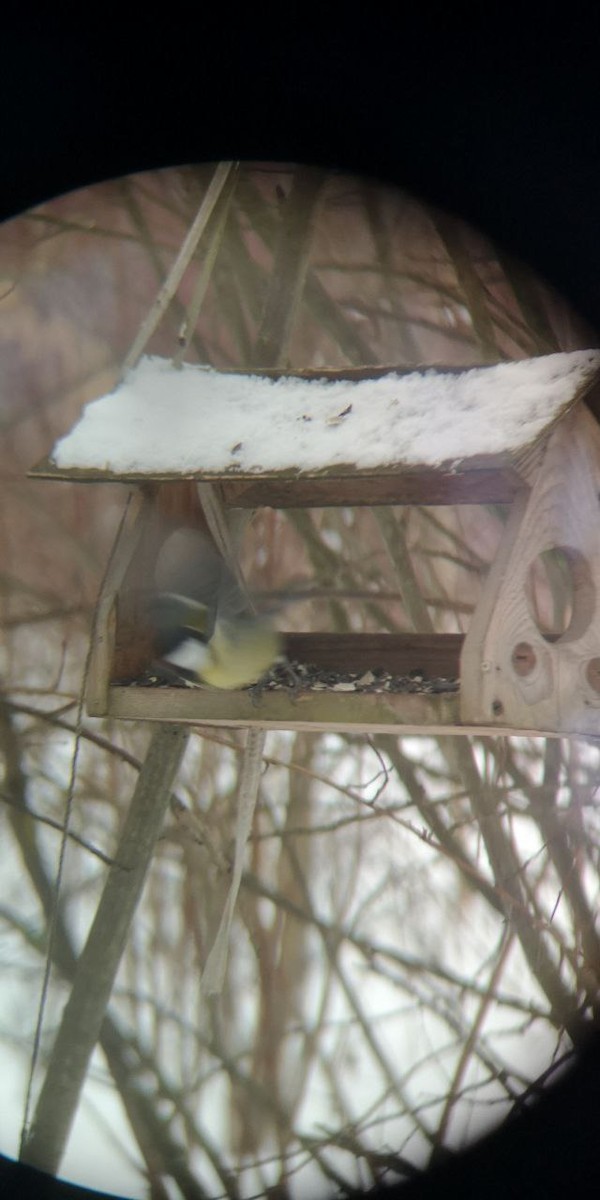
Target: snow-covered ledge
{"x": 162, "y": 422}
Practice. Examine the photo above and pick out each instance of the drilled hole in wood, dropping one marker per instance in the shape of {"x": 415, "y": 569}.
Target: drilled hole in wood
{"x": 523, "y": 658}
{"x": 497, "y": 708}
{"x": 560, "y": 593}
{"x": 592, "y": 674}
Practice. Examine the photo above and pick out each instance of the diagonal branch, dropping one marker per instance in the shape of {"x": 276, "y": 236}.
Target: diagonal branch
{"x": 99, "y": 961}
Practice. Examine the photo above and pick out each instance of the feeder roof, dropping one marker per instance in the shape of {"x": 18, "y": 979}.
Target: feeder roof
{"x": 197, "y": 422}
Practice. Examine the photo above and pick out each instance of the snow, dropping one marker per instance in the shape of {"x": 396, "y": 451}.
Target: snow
{"x": 195, "y": 420}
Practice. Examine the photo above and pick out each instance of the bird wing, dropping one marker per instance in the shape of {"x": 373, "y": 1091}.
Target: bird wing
{"x": 188, "y": 564}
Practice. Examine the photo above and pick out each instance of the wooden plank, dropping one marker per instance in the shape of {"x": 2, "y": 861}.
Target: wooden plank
{"x": 435, "y": 655}
{"x": 491, "y": 480}
{"x": 101, "y": 658}
{"x": 104, "y": 631}
{"x": 413, "y": 714}
{"x": 285, "y": 710}
{"x": 497, "y": 486}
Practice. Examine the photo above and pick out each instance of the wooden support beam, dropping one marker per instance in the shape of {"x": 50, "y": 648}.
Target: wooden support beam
{"x": 488, "y": 483}
{"x": 498, "y": 486}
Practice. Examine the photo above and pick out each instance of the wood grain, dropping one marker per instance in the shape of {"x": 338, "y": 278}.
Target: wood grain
{"x": 563, "y": 513}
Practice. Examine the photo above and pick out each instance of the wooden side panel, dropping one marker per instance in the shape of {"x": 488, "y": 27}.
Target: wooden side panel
{"x": 513, "y": 670}
{"x": 104, "y": 631}
{"x": 433, "y": 655}
{"x": 474, "y": 661}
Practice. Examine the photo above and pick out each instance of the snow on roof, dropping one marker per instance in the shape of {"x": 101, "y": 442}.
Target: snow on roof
{"x": 196, "y": 420}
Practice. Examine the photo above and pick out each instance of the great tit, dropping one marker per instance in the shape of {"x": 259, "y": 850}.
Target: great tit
{"x": 205, "y": 625}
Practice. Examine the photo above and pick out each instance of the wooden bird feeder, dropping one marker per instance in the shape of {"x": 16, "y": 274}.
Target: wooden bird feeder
{"x": 521, "y": 433}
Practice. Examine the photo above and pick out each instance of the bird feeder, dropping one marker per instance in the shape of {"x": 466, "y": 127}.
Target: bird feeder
{"x": 518, "y": 433}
